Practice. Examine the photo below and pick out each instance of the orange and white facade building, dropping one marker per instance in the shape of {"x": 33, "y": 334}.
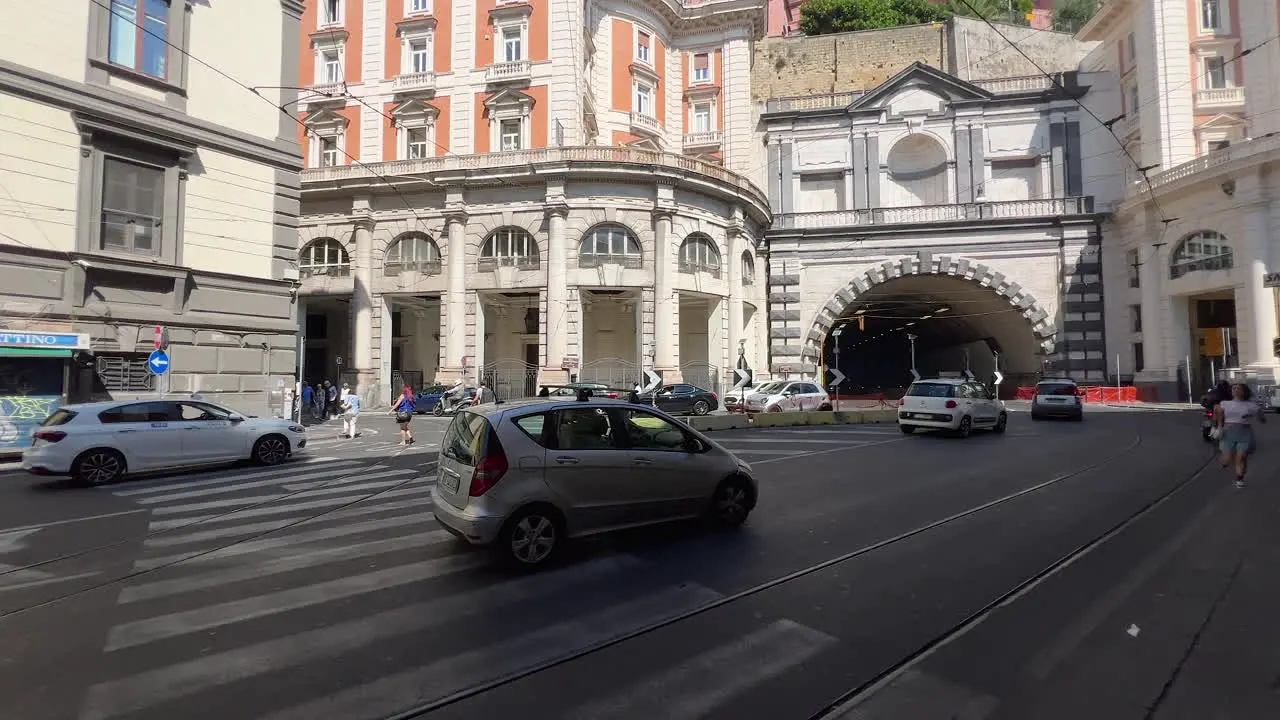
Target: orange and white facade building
{"x": 530, "y": 192}
{"x": 1198, "y": 228}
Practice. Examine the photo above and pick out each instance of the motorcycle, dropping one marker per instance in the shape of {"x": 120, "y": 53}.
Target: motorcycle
{"x": 1206, "y": 425}
{"x": 440, "y": 410}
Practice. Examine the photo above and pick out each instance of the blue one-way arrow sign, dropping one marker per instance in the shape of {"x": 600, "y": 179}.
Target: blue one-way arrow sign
{"x": 158, "y": 362}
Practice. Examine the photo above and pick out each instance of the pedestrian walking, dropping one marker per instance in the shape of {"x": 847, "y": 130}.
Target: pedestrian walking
{"x": 331, "y": 400}
{"x": 350, "y": 412}
{"x": 1234, "y": 419}
{"x": 404, "y": 409}
{"x": 484, "y": 394}
{"x": 309, "y": 399}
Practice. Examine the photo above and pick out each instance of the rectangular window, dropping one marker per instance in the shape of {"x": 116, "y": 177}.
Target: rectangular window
{"x": 1135, "y": 318}
{"x": 1215, "y": 72}
{"x": 1132, "y": 105}
{"x": 1132, "y": 268}
{"x": 416, "y": 143}
{"x": 509, "y": 130}
{"x": 643, "y": 53}
{"x": 644, "y": 100}
{"x": 1130, "y": 51}
{"x": 702, "y": 118}
{"x": 702, "y": 68}
{"x": 132, "y": 206}
{"x": 328, "y": 151}
{"x": 1139, "y": 361}
{"x": 330, "y": 12}
{"x": 512, "y": 45}
{"x": 1219, "y": 145}
{"x": 1210, "y": 15}
{"x": 419, "y": 57}
{"x": 419, "y": 6}
{"x": 140, "y": 43}
{"x": 330, "y": 67}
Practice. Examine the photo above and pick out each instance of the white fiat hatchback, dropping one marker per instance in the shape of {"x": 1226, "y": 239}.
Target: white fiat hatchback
{"x": 96, "y": 443}
{"x": 955, "y": 405}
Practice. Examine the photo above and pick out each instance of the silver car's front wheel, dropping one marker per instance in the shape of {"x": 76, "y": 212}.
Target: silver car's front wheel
{"x": 732, "y": 503}
{"x": 271, "y": 450}
{"x": 532, "y": 537}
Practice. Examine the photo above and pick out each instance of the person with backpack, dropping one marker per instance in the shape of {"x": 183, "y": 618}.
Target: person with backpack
{"x": 404, "y": 408}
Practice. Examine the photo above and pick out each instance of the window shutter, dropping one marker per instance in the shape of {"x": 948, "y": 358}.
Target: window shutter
{"x": 644, "y": 40}
{"x": 701, "y": 61}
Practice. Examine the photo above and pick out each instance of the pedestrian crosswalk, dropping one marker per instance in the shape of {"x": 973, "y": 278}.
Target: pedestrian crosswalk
{"x": 252, "y": 603}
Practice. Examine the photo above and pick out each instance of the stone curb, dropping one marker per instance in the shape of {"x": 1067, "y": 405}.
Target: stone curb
{"x": 710, "y": 423}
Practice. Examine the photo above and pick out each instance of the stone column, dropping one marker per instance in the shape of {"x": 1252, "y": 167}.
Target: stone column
{"x": 666, "y": 305}
{"x": 453, "y": 339}
{"x": 556, "y": 337}
{"x": 735, "y": 247}
{"x": 1259, "y": 324}
{"x": 362, "y": 307}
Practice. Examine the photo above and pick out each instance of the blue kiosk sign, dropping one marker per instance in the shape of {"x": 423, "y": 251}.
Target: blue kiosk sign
{"x": 47, "y": 340}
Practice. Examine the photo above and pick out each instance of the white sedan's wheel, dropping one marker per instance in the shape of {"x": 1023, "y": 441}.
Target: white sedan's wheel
{"x": 270, "y": 450}
{"x": 97, "y": 467}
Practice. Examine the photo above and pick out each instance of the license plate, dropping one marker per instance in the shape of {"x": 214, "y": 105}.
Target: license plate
{"x": 448, "y": 481}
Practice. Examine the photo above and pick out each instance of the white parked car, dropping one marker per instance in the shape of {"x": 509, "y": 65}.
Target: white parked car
{"x": 787, "y": 396}
{"x": 956, "y": 405}
{"x": 98, "y": 443}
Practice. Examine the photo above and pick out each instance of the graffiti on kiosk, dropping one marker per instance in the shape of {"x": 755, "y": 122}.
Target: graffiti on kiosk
{"x": 21, "y": 414}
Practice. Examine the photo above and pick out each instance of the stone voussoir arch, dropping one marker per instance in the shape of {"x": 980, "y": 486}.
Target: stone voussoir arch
{"x": 924, "y": 263}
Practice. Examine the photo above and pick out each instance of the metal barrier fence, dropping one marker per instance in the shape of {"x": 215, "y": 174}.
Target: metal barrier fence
{"x": 511, "y": 379}
{"x": 614, "y": 372}
{"x": 703, "y": 374}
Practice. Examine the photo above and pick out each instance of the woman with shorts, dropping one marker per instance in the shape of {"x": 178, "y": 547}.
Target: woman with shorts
{"x": 1235, "y": 418}
{"x": 404, "y": 408}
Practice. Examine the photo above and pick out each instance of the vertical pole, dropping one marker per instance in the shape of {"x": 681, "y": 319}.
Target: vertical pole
{"x": 837, "y": 368}
{"x": 302, "y": 374}
{"x": 1190, "y": 396}
{"x": 1117, "y": 372}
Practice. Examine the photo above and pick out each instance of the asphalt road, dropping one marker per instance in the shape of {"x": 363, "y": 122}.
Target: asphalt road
{"x": 324, "y": 589}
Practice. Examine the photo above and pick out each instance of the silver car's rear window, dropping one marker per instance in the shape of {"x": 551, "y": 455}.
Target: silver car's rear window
{"x": 928, "y": 389}
{"x": 1056, "y": 389}
{"x": 465, "y": 438}
{"x": 59, "y": 417}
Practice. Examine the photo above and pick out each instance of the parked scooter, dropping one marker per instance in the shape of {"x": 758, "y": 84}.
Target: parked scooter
{"x": 1206, "y": 425}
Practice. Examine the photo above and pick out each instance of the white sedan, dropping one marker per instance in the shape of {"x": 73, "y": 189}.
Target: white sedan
{"x": 98, "y": 443}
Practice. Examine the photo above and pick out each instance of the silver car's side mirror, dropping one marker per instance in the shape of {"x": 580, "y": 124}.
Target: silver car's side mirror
{"x": 236, "y": 418}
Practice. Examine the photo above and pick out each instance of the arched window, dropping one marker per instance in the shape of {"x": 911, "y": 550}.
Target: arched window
{"x": 412, "y": 251}
{"x": 324, "y": 256}
{"x": 1205, "y": 250}
{"x": 698, "y": 253}
{"x": 748, "y": 269}
{"x": 509, "y": 247}
{"x": 609, "y": 243}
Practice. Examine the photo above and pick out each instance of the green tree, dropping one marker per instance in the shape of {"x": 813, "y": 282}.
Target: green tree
{"x": 821, "y": 17}
{"x": 1071, "y": 15}
{"x": 1010, "y": 11}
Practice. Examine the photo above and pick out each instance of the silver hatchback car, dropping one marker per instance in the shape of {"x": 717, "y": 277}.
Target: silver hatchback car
{"x": 522, "y": 477}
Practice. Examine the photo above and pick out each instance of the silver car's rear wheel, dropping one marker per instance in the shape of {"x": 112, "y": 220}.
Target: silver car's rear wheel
{"x": 532, "y": 537}
{"x": 97, "y": 467}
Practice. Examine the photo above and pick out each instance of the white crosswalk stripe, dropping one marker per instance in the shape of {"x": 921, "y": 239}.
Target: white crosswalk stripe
{"x": 352, "y": 562}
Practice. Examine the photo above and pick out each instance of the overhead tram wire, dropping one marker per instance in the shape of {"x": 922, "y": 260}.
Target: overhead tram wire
{"x": 354, "y": 160}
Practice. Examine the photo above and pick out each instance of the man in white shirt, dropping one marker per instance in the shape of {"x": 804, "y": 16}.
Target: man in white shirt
{"x": 350, "y": 411}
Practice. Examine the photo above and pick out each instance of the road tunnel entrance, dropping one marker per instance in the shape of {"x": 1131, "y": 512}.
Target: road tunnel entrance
{"x": 942, "y": 325}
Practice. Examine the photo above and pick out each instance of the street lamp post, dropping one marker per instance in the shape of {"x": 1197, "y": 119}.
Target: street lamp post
{"x": 836, "y": 334}
{"x": 911, "y": 339}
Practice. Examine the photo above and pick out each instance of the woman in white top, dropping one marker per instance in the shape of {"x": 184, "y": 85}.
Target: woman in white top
{"x": 1235, "y": 419}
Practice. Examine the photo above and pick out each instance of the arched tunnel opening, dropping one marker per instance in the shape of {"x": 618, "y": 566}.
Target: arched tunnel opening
{"x": 950, "y": 324}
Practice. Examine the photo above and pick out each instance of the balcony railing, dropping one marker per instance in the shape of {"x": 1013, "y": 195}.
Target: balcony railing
{"x": 645, "y": 122}
{"x": 520, "y": 262}
{"x": 1052, "y": 207}
{"x": 592, "y": 260}
{"x": 1213, "y": 159}
{"x": 998, "y": 86}
{"x": 423, "y": 267}
{"x": 601, "y": 155}
{"x": 311, "y": 271}
{"x": 414, "y": 81}
{"x": 1128, "y": 125}
{"x": 508, "y": 71}
{"x": 318, "y": 91}
{"x": 709, "y": 138}
{"x": 1220, "y": 97}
